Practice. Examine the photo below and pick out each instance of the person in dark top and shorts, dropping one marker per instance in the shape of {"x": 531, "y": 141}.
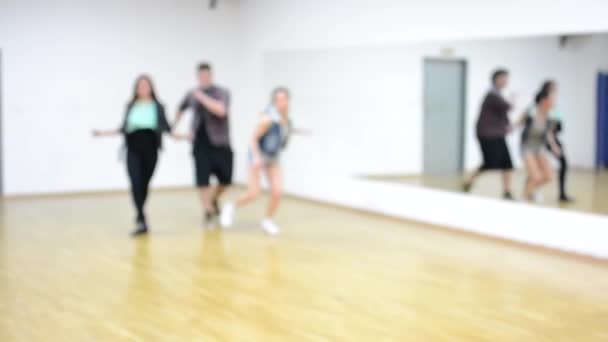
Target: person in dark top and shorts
{"x": 211, "y": 138}
{"x": 492, "y": 128}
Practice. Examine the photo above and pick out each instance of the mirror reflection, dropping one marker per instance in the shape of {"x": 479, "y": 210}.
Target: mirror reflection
{"x": 519, "y": 119}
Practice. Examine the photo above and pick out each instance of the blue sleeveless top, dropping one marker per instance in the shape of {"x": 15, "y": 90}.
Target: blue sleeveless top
{"x": 277, "y": 136}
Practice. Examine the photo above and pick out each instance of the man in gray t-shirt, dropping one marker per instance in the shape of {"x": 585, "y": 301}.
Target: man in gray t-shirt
{"x": 492, "y": 128}
{"x": 210, "y": 127}
{"x": 211, "y": 138}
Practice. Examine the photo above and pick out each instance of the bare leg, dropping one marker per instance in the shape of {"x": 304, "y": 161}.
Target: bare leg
{"x": 219, "y": 190}
{"x": 206, "y": 193}
{"x": 534, "y": 176}
{"x": 253, "y": 187}
{"x": 545, "y": 169}
{"x": 506, "y": 181}
{"x": 469, "y": 181}
{"x": 276, "y": 189}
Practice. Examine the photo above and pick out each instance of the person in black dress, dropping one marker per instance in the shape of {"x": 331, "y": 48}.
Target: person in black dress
{"x": 492, "y": 128}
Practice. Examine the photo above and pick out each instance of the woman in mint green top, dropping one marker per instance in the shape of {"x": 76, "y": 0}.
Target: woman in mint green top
{"x": 143, "y": 115}
{"x": 142, "y": 128}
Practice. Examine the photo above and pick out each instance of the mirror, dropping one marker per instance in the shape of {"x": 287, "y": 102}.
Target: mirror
{"x": 409, "y": 114}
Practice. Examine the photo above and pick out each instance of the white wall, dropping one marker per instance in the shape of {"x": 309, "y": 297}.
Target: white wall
{"x": 49, "y": 48}
{"x": 565, "y": 230}
{"x": 273, "y": 25}
{"x": 280, "y": 24}
{"x": 365, "y": 103}
{"x": 361, "y": 105}
{"x": 69, "y": 67}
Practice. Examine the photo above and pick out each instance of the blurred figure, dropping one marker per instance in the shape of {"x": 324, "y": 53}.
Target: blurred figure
{"x": 269, "y": 139}
{"x": 143, "y": 125}
{"x": 211, "y": 139}
{"x": 550, "y": 87}
{"x": 492, "y": 128}
{"x": 537, "y": 134}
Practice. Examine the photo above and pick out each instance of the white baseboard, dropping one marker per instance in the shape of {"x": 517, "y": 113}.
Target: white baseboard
{"x": 563, "y": 230}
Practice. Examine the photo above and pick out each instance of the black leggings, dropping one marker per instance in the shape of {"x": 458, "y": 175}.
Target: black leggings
{"x": 563, "y": 169}
{"x": 141, "y": 162}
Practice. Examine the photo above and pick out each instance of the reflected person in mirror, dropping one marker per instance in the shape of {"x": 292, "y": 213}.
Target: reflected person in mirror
{"x": 538, "y": 133}
{"x": 550, "y": 87}
{"x": 492, "y": 128}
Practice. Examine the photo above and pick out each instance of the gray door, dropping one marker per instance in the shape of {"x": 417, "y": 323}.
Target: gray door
{"x": 444, "y": 108}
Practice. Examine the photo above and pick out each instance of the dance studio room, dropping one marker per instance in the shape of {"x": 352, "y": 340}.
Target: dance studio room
{"x": 282, "y": 170}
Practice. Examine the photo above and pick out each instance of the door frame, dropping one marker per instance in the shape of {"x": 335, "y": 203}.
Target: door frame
{"x": 601, "y": 120}
{"x": 1, "y": 130}
{"x": 463, "y": 123}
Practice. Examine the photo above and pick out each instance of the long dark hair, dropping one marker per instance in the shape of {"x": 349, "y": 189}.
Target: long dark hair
{"x": 548, "y": 86}
{"x": 497, "y": 73}
{"x": 146, "y": 78}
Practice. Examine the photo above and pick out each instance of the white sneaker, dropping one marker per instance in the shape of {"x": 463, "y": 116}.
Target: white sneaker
{"x": 227, "y": 216}
{"x": 270, "y": 227}
{"x": 538, "y": 197}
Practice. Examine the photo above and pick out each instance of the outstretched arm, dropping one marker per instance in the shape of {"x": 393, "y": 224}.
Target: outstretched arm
{"x": 512, "y": 101}
{"x": 184, "y": 105}
{"x": 180, "y": 136}
{"x": 113, "y": 132}
{"x": 106, "y": 132}
{"x": 178, "y": 118}
{"x": 520, "y": 122}
{"x": 301, "y": 131}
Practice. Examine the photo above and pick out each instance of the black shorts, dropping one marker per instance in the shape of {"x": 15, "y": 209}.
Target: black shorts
{"x": 496, "y": 154}
{"x": 215, "y": 161}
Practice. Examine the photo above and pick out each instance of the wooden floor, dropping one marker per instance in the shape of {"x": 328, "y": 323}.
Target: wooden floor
{"x": 589, "y": 188}
{"x": 69, "y": 272}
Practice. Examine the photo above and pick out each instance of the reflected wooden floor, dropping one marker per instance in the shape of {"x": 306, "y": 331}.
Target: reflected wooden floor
{"x": 589, "y": 188}
{"x": 68, "y": 272}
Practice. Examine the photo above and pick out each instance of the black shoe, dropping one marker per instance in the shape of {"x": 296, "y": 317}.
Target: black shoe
{"x": 139, "y": 232}
{"x": 566, "y": 199}
{"x": 466, "y": 187}
{"x": 142, "y": 229}
{"x": 208, "y": 220}
{"x": 507, "y": 195}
